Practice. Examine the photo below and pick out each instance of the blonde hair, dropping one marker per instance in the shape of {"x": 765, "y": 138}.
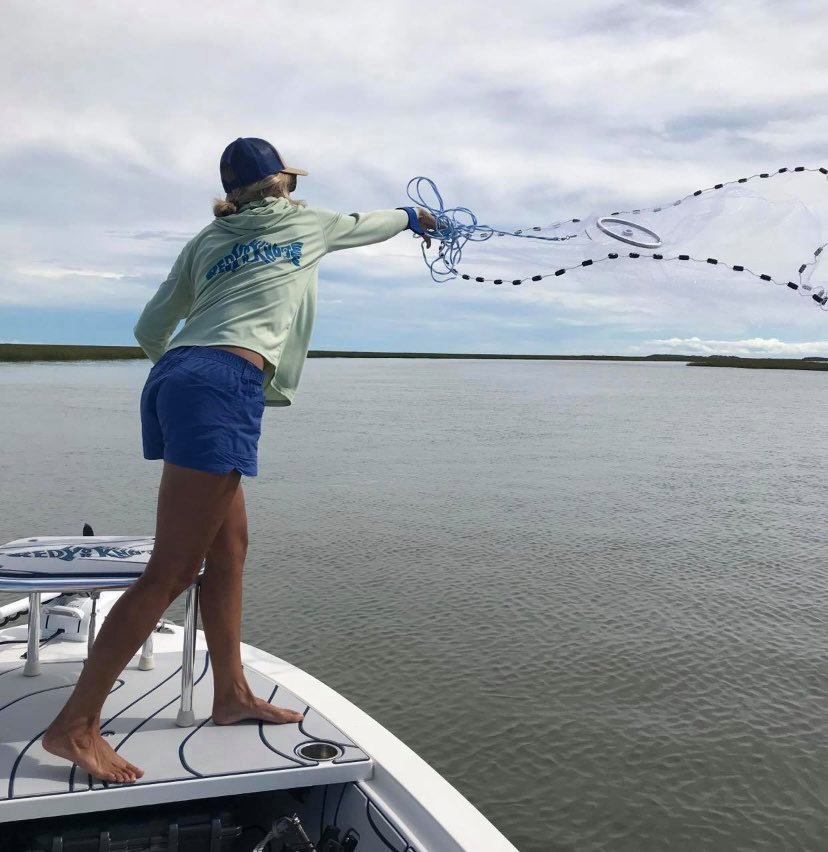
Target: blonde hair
{"x": 277, "y": 186}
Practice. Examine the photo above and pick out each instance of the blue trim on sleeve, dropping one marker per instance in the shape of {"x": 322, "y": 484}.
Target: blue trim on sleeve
{"x": 413, "y": 222}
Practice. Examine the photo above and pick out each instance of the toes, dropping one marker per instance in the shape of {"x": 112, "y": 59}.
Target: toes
{"x": 286, "y": 714}
{"x": 121, "y": 769}
{"x": 133, "y": 771}
{"x": 129, "y": 773}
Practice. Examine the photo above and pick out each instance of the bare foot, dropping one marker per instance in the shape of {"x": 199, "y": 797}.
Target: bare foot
{"x": 85, "y": 746}
{"x": 228, "y": 711}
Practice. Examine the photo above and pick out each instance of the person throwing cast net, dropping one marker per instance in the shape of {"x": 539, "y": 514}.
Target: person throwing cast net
{"x": 245, "y": 287}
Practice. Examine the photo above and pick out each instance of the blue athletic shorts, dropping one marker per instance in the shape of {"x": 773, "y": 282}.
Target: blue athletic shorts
{"x": 202, "y": 407}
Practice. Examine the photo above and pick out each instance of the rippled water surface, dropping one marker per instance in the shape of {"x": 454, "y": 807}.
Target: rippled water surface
{"x": 593, "y": 596}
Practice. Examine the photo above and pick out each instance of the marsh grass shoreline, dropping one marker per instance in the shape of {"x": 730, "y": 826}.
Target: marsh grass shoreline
{"x": 757, "y": 363}
{"x": 45, "y": 352}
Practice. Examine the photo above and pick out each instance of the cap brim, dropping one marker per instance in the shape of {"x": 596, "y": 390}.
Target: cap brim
{"x": 292, "y": 171}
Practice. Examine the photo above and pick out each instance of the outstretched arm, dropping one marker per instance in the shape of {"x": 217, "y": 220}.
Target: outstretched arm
{"x": 362, "y": 229}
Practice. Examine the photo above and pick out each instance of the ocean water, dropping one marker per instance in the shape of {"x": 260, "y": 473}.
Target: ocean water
{"x": 593, "y": 596}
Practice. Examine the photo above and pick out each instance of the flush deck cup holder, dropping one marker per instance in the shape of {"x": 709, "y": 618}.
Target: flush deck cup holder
{"x": 318, "y": 751}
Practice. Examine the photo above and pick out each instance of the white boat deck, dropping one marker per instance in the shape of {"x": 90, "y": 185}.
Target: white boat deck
{"x": 139, "y": 718}
{"x": 394, "y": 786}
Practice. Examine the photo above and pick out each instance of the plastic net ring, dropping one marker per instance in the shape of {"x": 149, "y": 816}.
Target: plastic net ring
{"x": 629, "y": 232}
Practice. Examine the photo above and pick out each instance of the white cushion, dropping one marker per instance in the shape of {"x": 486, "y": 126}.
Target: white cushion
{"x": 75, "y": 557}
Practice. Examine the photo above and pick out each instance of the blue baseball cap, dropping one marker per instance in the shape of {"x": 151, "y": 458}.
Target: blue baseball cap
{"x": 248, "y": 160}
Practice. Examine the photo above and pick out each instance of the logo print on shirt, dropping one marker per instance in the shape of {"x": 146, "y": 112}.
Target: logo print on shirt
{"x": 256, "y": 251}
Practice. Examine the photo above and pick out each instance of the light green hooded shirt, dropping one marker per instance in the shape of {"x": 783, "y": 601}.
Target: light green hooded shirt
{"x": 250, "y": 280}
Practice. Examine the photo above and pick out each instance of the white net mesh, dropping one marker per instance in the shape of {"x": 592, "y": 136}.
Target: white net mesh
{"x": 771, "y": 227}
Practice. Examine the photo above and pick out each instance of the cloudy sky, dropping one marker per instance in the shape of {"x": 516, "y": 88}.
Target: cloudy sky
{"x": 114, "y": 116}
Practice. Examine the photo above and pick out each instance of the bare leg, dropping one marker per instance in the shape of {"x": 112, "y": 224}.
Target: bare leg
{"x": 192, "y": 505}
{"x": 221, "y": 608}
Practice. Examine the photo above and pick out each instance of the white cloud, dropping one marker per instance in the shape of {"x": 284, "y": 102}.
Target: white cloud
{"x": 98, "y": 293}
{"x": 756, "y": 347}
{"x": 114, "y": 116}
{"x": 58, "y": 273}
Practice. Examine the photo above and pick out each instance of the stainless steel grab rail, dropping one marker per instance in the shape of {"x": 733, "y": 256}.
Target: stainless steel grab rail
{"x": 32, "y": 667}
{"x": 35, "y": 586}
{"x": 186, "y": 718}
